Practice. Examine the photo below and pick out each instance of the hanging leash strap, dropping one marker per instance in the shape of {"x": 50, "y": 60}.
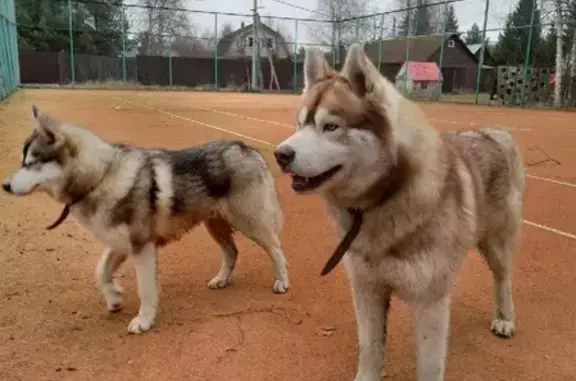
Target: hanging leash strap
{"x": 63, "y": 216}
{"x": 357, "y": 219}
{"x": 386, "y": 189}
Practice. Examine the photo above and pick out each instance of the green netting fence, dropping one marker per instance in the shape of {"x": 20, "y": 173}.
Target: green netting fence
{"x": 493, "y": 56}
{"x": 9, "y": 75}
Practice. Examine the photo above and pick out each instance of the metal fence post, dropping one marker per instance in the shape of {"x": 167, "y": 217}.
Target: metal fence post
{"x": 216, "y": 85}
{"x": 441, "y": 59}
{"x": 295, "y": 61}
{"x": 407, "y": 49}
{"x": 380, "y": 42}
{"x": 3, "y": 59}
{"x": 124, "y": 76}
{"x": 482, "y": 50}
{"x": 170, "y": 62}
{"x": 357, "y": 29}
{"x": 71, "y": 36}
{"x": 528, "y": 51}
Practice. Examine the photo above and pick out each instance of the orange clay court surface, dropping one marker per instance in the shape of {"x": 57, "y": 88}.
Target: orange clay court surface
{"x": 54, "y": 325}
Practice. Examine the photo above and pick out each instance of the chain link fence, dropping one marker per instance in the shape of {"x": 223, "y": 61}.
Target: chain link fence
{"x": 454, "y": 50}
{"x": 9, "y": 75}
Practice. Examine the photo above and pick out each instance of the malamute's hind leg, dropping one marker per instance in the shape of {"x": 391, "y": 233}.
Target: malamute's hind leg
{"x": 221, "y": 231}
{"x": 498, "y": 249}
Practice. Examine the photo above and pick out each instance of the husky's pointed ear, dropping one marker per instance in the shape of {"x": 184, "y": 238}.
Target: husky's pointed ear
{"x": 358, "y": 69}
{"x": 47, "y": 126}
{"x": 316, "y": 68}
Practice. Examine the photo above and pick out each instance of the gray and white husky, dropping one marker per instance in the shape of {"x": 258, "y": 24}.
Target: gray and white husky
{"x": 135, "y": 200}
{"x": 408, "y": 201}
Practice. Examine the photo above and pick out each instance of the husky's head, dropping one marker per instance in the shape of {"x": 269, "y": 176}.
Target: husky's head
{"x": 344, "y": 141}
{"x": 53, "y": 161}
{"x": 41, "y": 158}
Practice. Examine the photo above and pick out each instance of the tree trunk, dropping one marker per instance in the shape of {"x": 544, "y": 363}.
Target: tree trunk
{"x": 559, "y": 55}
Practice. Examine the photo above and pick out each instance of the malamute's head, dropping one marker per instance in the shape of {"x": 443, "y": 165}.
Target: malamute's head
{"x": 49, "y": 160}
{"x": 345, "y": 140}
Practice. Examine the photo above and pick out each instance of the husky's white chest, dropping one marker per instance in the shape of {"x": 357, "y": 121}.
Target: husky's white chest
{"x": 117, "y": 236}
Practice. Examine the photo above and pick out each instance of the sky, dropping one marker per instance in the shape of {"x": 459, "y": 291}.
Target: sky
{"x": 467, "y": 11}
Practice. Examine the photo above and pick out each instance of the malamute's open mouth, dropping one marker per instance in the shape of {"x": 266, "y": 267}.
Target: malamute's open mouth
{"x": 301, "y": 183}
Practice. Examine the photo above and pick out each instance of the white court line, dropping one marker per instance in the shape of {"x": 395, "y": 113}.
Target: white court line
{"x": 565, "y": 183}
{"x": 196, "y": 121}
{"x": 549, "y": 229}
{"x": 534, "y": 224}
{"x": 240, "y": 116}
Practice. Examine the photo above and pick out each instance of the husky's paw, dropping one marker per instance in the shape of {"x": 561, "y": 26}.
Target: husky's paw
{"x": 280, "y": 286}
{"x": 140, "y": 323}
{"x": 113, "y": 295}
{"x": 502, "y": 328}
{"x": 218, "y": 282}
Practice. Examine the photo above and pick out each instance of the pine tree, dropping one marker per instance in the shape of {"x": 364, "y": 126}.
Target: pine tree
{"x": 420, "y": 21}
{"x": 451, "y": 20}
{"x": 403, "y": 26}
{"x": 513, "y": 42}
{"x": 43, "y": 26}
{"x": 474, "y": 35}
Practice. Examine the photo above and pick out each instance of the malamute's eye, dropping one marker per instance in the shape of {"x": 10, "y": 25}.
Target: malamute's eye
{"x": 330, "y": 127}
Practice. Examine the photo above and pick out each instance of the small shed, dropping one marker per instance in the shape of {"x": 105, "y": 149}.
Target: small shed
{"x": 420, "y": 79}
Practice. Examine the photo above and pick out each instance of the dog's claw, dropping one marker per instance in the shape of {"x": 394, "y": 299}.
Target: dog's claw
{"x": 502, "y": 328}
{"x": 140, "y": 324}
{"x": 280, "y": 286}
{"x": 217, "y": 283}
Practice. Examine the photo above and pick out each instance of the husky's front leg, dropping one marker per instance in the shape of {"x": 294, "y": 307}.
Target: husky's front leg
{"x": 371, "y": 304}
{"x": 107, "y": 265}
{"x": 145, "y": 264}
{"x": 431, "y": 323}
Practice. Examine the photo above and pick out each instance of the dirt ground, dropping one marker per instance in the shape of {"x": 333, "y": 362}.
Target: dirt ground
{"x": 54, "y": 326}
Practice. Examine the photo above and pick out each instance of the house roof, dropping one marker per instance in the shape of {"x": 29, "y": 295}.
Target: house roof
{"x": 423, "y": 71}
{"x": 226, "y": 41}
{"x": 421, "y": 48}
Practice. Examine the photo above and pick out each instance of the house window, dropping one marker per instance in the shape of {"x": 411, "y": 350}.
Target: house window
{"x": 423, "y": 85}
{"x": 450, "y": 43}
{"x": 270, "y": 43}
{"x": 250, "y": 41}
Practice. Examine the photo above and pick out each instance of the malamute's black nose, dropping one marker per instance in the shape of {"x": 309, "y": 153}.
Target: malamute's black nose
{"x": 284, "y": 155}
{"x": 7, "y": 187}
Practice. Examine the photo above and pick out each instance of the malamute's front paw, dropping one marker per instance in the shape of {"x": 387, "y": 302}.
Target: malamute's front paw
{"x": 280, "y": 286}
{"x": 141, "y": 323}
{"x": 503, "y": 328}
{"x": 218, "y": 282}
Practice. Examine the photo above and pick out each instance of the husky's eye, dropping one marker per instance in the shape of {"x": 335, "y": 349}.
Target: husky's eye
{"x": 330, "y": 127}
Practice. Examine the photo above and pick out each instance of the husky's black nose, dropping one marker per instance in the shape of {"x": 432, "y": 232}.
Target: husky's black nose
{"x": 284, "y": 155}
{"x": 7, "y": 187}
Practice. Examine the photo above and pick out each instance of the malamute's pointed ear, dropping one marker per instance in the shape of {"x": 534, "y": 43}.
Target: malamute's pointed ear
{"x": 316, "y": 68}
{"x": 35, "y": 111}
{"x": 359, "y": 70}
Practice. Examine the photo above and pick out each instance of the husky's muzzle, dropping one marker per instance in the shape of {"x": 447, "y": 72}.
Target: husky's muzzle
{"x": 7, "y": 187}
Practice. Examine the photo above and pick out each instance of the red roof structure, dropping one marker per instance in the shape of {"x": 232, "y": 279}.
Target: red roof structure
{"x": 423, "y": 71}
